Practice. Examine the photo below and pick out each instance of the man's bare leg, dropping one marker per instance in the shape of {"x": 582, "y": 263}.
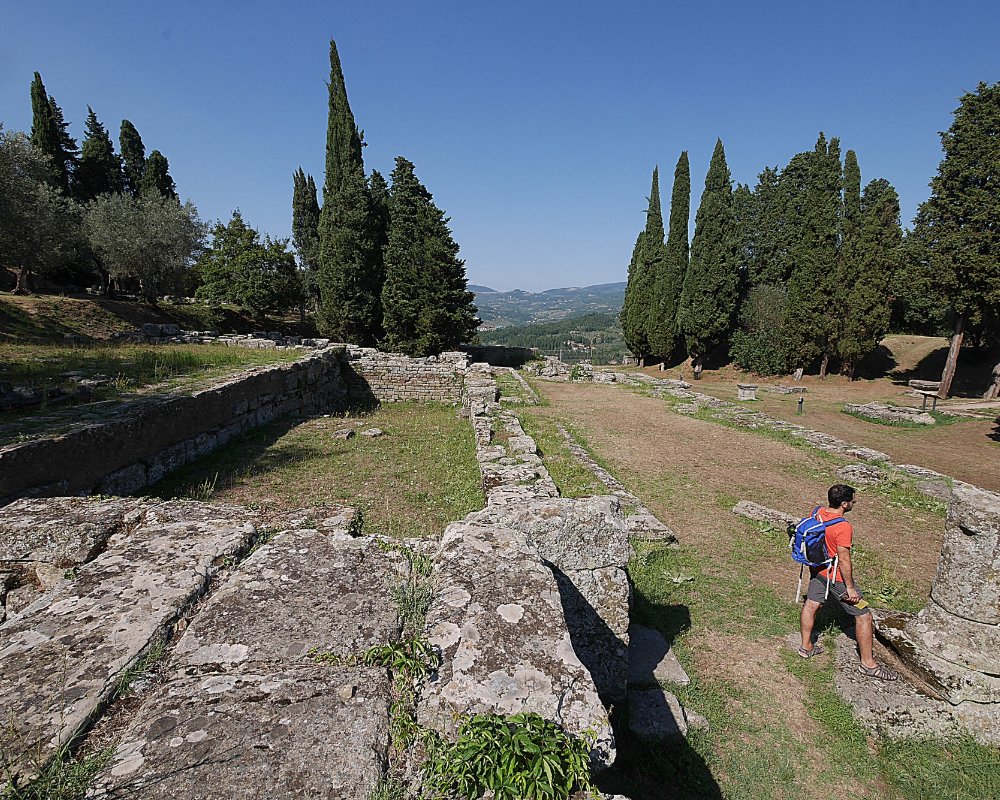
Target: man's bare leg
{"x": 863, "y": 634}
{"x": 806, "y": 621}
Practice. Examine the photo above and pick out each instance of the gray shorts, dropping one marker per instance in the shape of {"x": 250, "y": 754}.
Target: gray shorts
{"x": 817, "y": 591}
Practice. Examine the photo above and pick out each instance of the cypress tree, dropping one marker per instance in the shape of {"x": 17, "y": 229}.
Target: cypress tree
{"x": 652, "y": 333}
{"x": 711, "y": 285}
{"x": 425, "y": 297}
{"x": 812, "y": 313}
{"x": 675, "y": 264}
{"x": 768, "y": 256}
{"x": 156, "y": 176}
{"x": 49, "y": 135}
{"x": 133, "y": 153}
{"x": 350, "y": 278}
{"x": 100, "y": 170}
{"x": 636, "y": 289}
{"x": 744, "y": 222}
{"x": 874, "y": 254}
{"x": 957, "y": 226}
{"x": 305, "y": 231}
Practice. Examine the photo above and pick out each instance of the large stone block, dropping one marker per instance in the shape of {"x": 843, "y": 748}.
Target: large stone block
{"x": 498, "y": 619}
{"x": 61, "y": 659}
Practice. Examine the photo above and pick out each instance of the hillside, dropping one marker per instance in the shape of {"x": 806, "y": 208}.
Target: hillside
{"x": 584, "y": 336}
{"x": 517, "y": 307}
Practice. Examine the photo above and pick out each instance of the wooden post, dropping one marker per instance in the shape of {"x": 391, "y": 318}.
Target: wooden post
{"x": 949, "y": 366}
{"x": 993, "y": 390}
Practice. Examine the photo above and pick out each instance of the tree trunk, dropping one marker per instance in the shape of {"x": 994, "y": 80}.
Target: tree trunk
{"x": 697, "y": 366}
{"x": 849, "y": 370}
{"x": 823, "y": 365}
{"x": 993, "y": 391}
{"x": 23, "y": 285}
{"x": 949, "y": 366}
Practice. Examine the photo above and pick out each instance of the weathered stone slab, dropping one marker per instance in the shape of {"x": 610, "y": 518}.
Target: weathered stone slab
{"x": 655, "y": 715}
{"x": 61, "y": 658}
{"x": 586, "y": 543}
{"x": 498, "y": 619}
{"x": 651, "y": 660}
{"x": 303, "y": 589}
{"x": 305, "y": 731}
{"x": 755, "y": 511}
{"x": 887, "y": 413}
{"x": 863, "y": 474}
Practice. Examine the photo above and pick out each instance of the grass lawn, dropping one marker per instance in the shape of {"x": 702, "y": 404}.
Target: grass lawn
{"x": 412, "y": 481}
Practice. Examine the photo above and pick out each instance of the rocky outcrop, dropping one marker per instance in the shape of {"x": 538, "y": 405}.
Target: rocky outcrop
{"x": 881, "y": 412}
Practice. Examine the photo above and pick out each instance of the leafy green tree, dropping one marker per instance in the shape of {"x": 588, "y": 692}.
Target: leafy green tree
{"x": 640, "y": 311}
{"x": 759, "y": 345}
{"x": 918, "y": 306}
{"x": 812, "y": 319}
{"x": 100, "y": 170}
{"x": 50, "y": 137}
{"x": 711, "y": 285}
{"x": 133, "y": 153}
{"x": 39, "y": 227}
{"x": 957, "y": 225}
{"x": 767, "y": 244}
{"x": 670, "y": 279}
{"x": 866, "y": 293}
{"x": 156, "y": 177}
{"x": 305, "y": 231}
{"x": 427, "y": 305}
{"x": 350, "y": 271}
{"x": 241, "y": 269}
{"x": 149, "y": 239}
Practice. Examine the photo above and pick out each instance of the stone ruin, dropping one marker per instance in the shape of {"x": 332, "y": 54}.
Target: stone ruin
{"x": 950, "y": 650}
{"x": 881, "y": 412}
{"x": 528, "y": 606}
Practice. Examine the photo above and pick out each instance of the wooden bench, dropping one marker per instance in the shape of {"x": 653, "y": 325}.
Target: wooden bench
{"x": 926, "y": 389}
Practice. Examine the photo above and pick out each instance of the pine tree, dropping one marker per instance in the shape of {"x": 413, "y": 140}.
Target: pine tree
{"x": 350, "y": 277}
{"x": 133, "y": 153}
{"x": 874, "y": 254}
{"x": 100, "y": 170}
{"x": 427, "y": 305}
{"x": 957, "y": 224}
{"x": 711, "y": 285}
{"x": 305, "y": 231}
{"x": 49, "y": 136}
{"x": 156, "y": 176}
{"x": 671, "y": 276}
{"x": 812, "y": 312}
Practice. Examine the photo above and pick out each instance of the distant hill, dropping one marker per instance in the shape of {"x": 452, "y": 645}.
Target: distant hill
{"x": 517, "y": 307}
{"x": 583, "y": 336}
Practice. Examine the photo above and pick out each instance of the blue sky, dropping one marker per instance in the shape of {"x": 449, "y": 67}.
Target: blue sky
{"x": 535, "y": 125}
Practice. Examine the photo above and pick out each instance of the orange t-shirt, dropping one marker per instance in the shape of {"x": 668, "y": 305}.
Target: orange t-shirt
{"x": 837, "y": 535}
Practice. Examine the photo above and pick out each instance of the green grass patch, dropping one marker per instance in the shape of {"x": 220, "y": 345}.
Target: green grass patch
{"x": 412, "y": 481}
{"x": 572, "y": 478}
{"x": 510, "y": 387}
{"x": 786, "y": 437}
{"x": 66, "y": 776}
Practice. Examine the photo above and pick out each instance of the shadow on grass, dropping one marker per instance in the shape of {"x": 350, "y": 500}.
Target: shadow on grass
{"x": 972, "y": 375}
{"x": 877, "y": 364}
{"x": 223, "y": 468}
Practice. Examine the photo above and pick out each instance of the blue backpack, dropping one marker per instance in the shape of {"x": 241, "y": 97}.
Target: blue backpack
{"x": 808, "y": 545}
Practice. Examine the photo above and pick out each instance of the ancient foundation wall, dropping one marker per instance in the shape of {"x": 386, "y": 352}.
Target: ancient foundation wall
{"x": 155, "y": 436}
{"x": 372, "y": 376}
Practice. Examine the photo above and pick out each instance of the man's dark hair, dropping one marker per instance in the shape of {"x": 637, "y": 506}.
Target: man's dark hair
{"x": 838, "y": 494}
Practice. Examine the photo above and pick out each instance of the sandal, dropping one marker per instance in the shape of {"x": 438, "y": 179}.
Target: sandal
{"x": 816, "y": 650}
{"x": 878, "y": 671}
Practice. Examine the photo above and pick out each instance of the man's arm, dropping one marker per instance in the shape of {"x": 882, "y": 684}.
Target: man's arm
{"x": 844, "y": 555}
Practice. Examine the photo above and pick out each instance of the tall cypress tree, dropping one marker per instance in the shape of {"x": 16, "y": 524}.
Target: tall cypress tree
{"x": 133, "y": 153}
{"x": 49, "y": 135}
{"x": 350, "y": 280}
{"x": 768, "y": 260}
{"x": 305, "y": 231}
{"x": 711, "y": 285}
{"x": 426, "y": 301}
{"x": 670, "y": 280}
{"x": 636, "y": 291}
{"x": 957, "y": 227}
{"x": 156, "y": 176}
{"x": 874, "y": 254}
{"x": 100, "y": 170}
{"x": 646, "y": 274}
{"x": 812, "y": 313}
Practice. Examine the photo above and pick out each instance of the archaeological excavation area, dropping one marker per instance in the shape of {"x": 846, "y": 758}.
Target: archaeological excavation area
{"x": 213, "y": 649}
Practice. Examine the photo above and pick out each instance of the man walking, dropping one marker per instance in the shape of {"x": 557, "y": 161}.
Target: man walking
{"x": 839, "y": 535}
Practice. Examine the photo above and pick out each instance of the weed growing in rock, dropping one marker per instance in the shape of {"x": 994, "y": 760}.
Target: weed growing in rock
{"x": 141, "y": 669}
{"x": 65, "y": 777}
{"x": 387, "y": 788}
{"x": 521, "y": 757}
{"x": 202, "y": 491}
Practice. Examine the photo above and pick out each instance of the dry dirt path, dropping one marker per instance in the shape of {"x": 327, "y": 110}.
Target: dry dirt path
{"x": 690, "y": 472}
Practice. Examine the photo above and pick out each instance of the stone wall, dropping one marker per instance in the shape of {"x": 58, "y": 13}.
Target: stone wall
{"x": 372, "y": 376}
{"x": 152, "y": 437}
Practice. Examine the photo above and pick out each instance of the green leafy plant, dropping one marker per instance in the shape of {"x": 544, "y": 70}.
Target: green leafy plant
{"x": 521, "y": 757}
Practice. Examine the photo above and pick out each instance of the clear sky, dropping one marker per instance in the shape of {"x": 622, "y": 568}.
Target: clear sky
{"x": 536, "y": 125}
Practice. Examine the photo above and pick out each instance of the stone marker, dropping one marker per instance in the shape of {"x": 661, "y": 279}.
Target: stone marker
{"x": 498, "y": 619}
{"x": 61, "y": 658}
{"x": 746, "y": 391}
